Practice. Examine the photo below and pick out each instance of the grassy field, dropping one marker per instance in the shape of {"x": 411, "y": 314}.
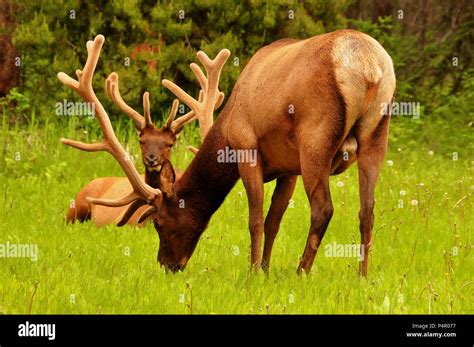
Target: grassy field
{"x": 421, "y": 259}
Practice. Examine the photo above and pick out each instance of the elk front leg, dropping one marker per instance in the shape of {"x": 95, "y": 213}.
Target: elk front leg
{"x": 252, "y": 177}
{"x": 370, "y": 158}
{"x": 284, "y": 189}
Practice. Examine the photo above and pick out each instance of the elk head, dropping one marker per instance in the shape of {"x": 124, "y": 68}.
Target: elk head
{"x": 155, "y": 143}
{"x": 178, "y": 231}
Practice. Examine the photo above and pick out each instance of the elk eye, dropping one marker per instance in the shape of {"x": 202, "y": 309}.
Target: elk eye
{"x": 142, "y": 142}
{"x": 159, "y": 221}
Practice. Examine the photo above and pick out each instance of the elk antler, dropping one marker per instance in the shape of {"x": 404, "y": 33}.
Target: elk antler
{"x": 177, "y": 125}
{"x": 210, "y": 98}
{"x": 113, "y": 91}
{"x": 83, "y": 87}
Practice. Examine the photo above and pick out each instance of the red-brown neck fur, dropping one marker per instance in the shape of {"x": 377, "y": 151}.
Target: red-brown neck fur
{"x": 206, "y": 182}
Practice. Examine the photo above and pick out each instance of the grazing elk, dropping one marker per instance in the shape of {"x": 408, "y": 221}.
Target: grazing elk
{"x": 334, "y": 84}
{"x": 155, "y": 145}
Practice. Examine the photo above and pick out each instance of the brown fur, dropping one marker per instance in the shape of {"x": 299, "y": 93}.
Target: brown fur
{"x": 334, "y": 106}
{"x": 155, "y": 145}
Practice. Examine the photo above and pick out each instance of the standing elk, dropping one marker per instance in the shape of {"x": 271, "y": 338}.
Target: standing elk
{"x": 334, "y": 84}
{"x": 155, "y": 145}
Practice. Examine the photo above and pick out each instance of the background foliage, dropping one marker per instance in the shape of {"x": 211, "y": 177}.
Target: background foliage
{"x": 161, "y": 38}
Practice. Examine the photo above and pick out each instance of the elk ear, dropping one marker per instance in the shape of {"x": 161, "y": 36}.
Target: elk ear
{"x": 167, "y": 178}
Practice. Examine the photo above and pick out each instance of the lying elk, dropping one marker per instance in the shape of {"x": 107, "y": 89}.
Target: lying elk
{"x": 333, "y": 84}
{"x": 155, "y": 145}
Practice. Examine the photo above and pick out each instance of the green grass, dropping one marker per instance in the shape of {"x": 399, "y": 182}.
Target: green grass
{"x": 421, "y": 259}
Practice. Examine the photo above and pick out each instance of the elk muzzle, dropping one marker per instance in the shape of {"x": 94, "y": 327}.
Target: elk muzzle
{"x": 151, "y": 162}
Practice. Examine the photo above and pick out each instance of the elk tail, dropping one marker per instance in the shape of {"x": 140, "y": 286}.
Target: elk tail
{"x": 373, "y": 75}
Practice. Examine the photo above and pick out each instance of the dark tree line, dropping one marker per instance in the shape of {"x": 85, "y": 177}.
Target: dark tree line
{"x": 430, "y": 42}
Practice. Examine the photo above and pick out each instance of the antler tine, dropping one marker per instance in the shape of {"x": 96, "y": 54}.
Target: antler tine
{"x": 146, "y": 109}
{"x": 179, "y": 123}
{"x": 83, "y": 86}
{"x": 211, "y": 93}
{"x": 193, "y": 149}
{"x": 172, "y": 115}
{"x": 113, "y": 91}
{"x": 212, "y": 97}
{"x": 199, "y": 74}
{"x": 220, "y": 100}
{"x": 181, "y": 94}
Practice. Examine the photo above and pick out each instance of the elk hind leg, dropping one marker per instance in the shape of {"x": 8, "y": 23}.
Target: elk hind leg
{"x": 370, "y": 156}
{"x": 316, "y": 159}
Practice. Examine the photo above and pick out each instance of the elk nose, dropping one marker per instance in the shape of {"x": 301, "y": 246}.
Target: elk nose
{"x": 151, "y": 158}
{"x": 175, "y": 268}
